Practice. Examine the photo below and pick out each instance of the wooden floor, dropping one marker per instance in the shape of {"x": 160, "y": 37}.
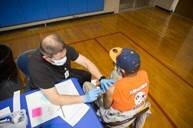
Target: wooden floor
{"x": 164, "y": 41}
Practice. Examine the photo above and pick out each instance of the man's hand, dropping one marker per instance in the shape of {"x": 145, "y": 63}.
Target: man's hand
{"x": 92, "y": 95}
{"x": 106, "y": 84}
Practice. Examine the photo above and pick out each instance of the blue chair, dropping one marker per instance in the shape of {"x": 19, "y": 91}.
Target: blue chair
{"x": 22, "y": 63}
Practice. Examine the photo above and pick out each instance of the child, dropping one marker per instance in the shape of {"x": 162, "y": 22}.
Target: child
{"x": 127, "y": 96}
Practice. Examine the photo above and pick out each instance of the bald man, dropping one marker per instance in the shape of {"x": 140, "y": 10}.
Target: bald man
{"x": 51, "y": 63}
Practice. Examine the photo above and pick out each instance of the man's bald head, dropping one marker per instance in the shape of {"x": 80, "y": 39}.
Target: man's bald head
{"x": 51, "y": 44}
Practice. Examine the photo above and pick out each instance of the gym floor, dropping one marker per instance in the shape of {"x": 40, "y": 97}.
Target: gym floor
{"x": 163, "y": 40}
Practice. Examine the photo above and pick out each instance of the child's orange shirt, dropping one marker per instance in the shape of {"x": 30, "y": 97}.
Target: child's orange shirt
{"x": 130, "y": 92}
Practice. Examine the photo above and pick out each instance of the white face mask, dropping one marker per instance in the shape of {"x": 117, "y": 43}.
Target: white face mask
{"x": 59, "y": 62}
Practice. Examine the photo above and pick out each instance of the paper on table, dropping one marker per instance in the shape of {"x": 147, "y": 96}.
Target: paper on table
{"x": 40, "y": 109}
{"x": 5, "y": 111}
{"x": 72, "y": 113}
{"x": 16, "y": 101}
{"x": 66, "y": 88}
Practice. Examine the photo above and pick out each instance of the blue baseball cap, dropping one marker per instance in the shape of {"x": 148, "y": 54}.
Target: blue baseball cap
{"x": 125, "y": 58}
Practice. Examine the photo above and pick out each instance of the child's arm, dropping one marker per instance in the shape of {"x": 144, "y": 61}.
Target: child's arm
{"x": 107, "y": 98}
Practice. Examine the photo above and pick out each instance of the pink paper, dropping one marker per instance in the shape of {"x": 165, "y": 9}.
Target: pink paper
{"x": 36, "y": 112}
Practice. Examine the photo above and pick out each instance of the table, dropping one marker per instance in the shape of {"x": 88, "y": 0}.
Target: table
{"x": 89, "y": 120}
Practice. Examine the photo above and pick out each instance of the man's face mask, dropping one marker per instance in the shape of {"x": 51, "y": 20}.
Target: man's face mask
{"x": 59, "y": 62}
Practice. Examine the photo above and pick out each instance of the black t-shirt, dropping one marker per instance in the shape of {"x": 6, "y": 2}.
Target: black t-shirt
{"x": 44, "y": 75}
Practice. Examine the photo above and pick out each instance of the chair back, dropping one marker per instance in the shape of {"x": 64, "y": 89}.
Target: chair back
{"x": 23, "y": 60}
{"x": 129, "y": 121}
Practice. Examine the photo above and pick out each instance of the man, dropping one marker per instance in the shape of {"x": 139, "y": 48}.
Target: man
{"x": 50, "y": 64}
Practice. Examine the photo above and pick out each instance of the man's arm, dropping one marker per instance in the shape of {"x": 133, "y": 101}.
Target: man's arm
{"x": 105, "y": 83}
{"x": 85, "y": 62}
{"x": 58, "y": 99}
{"x": 108, "y": 97}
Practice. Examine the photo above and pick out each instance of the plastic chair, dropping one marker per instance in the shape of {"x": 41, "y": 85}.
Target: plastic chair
{"x": 22, "y": 63}
{"x": 130, "y": 122}
{"x": 136, "y": 121}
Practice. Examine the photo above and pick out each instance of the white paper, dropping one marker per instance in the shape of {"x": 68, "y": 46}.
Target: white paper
{"x": 38, "y": 100}
{"x": 5, "y": 111}
{"x": 71, "y": 113}
{"x": 16, "y": 101}
{"x": 66, "y": 88}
